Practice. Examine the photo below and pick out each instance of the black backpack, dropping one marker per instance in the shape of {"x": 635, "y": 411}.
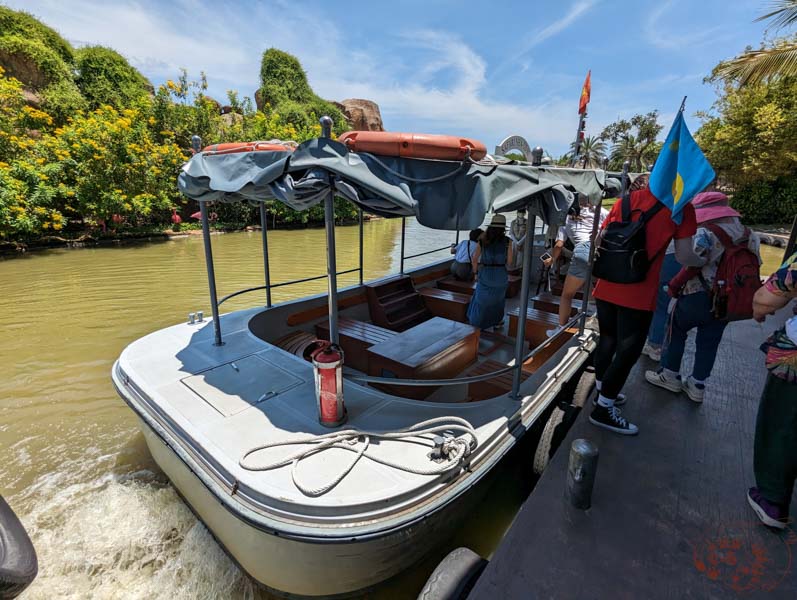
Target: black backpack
{"x": 622, "y": 256}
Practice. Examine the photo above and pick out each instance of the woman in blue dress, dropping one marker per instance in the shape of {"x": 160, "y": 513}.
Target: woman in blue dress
{"x": 490, "y": 262}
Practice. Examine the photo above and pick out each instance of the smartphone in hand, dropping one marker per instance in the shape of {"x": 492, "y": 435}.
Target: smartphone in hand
{"x": 546, "y": 256}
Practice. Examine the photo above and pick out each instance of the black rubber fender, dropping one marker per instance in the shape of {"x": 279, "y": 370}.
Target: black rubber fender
{"x": 18, "y": 562}
{"x": 454, "y": 577}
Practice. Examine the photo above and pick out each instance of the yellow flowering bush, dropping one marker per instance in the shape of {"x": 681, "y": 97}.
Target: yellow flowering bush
{"x": 114, "y": 165}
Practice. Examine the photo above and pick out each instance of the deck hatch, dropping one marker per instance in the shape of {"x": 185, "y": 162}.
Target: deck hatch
{"x": 235, "y": 386}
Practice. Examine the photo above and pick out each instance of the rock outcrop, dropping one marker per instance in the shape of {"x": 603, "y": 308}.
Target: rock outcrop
{"x": 362, "y": 115}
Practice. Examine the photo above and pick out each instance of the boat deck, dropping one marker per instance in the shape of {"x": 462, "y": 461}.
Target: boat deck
{"x": 669, "y": 516}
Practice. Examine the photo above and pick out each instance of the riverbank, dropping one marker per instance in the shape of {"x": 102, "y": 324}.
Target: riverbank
{"x": 94, "y": 238}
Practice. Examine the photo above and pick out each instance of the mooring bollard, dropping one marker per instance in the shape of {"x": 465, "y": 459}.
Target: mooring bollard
{"x": 581, "y": 473}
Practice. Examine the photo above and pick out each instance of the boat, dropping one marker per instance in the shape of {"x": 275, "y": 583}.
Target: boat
{"x": 229, "y": 406}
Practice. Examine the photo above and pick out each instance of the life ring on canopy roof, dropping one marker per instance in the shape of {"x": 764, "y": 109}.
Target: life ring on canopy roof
{"x": 233, "y": 147}
{"x": 413, "y": 145}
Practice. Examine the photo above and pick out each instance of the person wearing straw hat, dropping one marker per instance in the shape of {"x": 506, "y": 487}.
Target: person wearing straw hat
{"x": 490, "y": 262}
{"x": 693, "y": 309}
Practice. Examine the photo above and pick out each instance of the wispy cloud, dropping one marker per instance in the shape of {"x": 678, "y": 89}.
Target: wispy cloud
{"x": 519, "y": 62}
{"x": 577, "y": 10}
{"x": 675, "y": 36}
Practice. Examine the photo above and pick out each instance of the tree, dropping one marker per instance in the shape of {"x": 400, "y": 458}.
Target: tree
{"x": 633, "y": 140}
{"x": 752, "y": 134}
{"x": 592, "y": 151}
{"x": 770, "y": 61}
{"x": 104, "y": 77}
{"x": 284, "y": 90}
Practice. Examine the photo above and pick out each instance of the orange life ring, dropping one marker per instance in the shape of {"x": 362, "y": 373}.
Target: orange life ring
{"x": 231, "y": 148}
{"x": 413, "y": 145}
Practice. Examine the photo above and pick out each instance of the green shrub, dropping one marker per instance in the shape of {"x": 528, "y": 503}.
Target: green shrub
{"x": 63, "y": 100}
{"x": 14, "y": 22}
{"x": 106, "y": 78}
{"x": 286, "y": 92}
{"x": 766, "y": 202}
{"x": 31, "y": 61}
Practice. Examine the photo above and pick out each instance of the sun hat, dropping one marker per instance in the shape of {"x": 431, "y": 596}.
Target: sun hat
{"x": 712, "y": 205}
{"x": 498, "y": 220}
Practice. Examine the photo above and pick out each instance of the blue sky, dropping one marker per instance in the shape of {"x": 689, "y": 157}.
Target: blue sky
{"x": 485, "y": 70}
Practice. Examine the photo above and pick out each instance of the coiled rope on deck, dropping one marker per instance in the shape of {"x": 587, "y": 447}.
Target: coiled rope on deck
{"x": 453, "y": 451}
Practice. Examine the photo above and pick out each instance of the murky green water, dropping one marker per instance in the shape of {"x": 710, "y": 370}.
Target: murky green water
{"x": 105, "y": 521}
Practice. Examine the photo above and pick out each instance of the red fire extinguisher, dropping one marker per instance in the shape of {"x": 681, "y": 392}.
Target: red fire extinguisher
{"x": 328, "y": 363}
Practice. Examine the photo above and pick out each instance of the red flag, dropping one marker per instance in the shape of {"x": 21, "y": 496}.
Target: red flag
{"x": 585, "y": 92}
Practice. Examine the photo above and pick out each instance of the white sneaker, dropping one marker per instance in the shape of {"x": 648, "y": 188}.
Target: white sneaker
{"x": 694, "y": 390}
{"x": 652, "y": 351}
{"x": 550, "y": 332}
{"x": 663, "y": 380}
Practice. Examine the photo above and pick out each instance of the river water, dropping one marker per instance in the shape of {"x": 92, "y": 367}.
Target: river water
{"x": 104, "y": 520}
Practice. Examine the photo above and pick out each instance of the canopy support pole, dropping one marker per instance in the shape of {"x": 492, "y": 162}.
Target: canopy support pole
{"x": 520, "y": 334}
{"x": 214, "y": 302}
{"x": 360, "y": 215}
{"x": 266, "y": 266}
{"x": 332, "y": 268}
{"x": 403, "y": 233}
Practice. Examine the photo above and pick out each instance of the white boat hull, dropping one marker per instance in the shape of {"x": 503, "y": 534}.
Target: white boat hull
{"x": 308, "y": 568}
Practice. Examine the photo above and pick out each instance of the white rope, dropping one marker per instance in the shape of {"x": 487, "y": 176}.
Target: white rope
{"x": 453, "y": 451}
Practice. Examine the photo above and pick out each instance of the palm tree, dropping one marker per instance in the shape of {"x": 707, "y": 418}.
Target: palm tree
{"x": 779, "y": 60}
{"x": 591, "y": 151}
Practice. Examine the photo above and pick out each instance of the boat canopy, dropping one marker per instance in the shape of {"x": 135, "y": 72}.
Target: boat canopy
{"x": 448, "y": 195}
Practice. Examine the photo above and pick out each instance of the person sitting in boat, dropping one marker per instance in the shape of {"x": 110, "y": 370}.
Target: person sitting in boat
{"x": 461, "y": 268}
{"x": 489, "y": 262}
{"x": 578, "y": 229}
{"x": 517, "y": 233}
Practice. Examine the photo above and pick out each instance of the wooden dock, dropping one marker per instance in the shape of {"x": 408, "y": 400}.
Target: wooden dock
{"x": 669, "y": 516}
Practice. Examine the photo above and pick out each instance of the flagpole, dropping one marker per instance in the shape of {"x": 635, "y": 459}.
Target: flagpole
{"x": 582, "y": 118}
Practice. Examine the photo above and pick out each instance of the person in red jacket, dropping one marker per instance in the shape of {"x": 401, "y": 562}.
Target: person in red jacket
{"x": 625, "y": 310}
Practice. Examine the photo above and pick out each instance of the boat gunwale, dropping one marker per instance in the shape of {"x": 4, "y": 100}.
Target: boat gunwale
{"x": 262, "y": 517}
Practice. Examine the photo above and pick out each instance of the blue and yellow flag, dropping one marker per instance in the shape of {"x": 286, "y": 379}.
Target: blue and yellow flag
{"x": 681, "y": 170}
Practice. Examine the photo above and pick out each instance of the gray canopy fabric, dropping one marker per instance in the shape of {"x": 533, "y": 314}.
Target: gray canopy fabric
{"x": 441, "y": 194}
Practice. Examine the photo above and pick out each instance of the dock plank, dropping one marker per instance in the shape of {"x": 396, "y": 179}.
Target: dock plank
{"x": 669, "y": 516}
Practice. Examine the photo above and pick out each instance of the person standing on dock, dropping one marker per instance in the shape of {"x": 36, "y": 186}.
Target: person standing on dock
{"x": 775, "y": 459}
{"x": 625, "y": 304}
{"x": 658, "y": 328}
{"x": 693, "y": 289}
{"x": 625, "y": 310}
{"x": 486, "y": 308}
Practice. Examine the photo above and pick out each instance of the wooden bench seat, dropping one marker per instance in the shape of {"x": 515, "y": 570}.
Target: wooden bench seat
{"x": 490, "y": 388}
{"x": 558, "y": 286}
{"x": 436, "y": 349}
{"x": 537, "y": 323}
{"x": 355, "y": 339}
{"x": 444, "y": 303}
{"x": 550, "y": 303}
{"x": 467, "y": 287}
{"x": 455, "y": 285}
{"x": 395, "y": 304}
